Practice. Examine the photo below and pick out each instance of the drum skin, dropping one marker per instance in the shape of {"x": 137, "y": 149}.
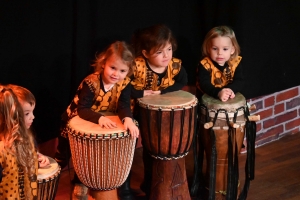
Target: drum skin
{"x": 220, "y": 129}
{"x": 48, "y": 179}
{"x": 167, "y": 129}
{"x": 102, "y": 158}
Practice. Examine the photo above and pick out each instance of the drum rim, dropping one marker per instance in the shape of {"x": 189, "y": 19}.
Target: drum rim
{"x": 50, "y": 178}
{"x": 189, "y": 105}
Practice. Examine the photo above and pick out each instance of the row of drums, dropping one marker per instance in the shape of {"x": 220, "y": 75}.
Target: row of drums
{"x": 102, "y": 158}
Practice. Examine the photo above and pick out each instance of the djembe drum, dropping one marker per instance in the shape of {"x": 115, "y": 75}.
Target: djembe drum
{"x": 102, "y": 158}
{"x": 167, "y": 130}
{"x": 222, "y": 134}
{"x": 48, "y": 178}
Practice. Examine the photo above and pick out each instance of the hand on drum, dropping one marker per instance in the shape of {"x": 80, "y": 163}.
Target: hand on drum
{"x": 151, "y": 92}
{"x": 130, "y": 125}
{"x": 225, "y": 94}
{"x": 43, "y": 160}
{"x": 105, "y": 122}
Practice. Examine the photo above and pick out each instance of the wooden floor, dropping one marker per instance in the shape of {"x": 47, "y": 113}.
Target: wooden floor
{"x": 277, "y": 172}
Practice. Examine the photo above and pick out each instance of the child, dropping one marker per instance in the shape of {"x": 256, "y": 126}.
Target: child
{"x": 27, "y": 101}
{"x": 18, "y": 159}
{"x": 219, "y": 72}
{"x": 106, "y": 90}
{"x": 156, "y": 72}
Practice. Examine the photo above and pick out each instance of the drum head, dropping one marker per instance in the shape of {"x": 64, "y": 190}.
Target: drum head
{"x": 89, "y": 128}
{"x": 49, "y": 170}
{"x": 231, "y": 105}
{"x": 173, "y": 100}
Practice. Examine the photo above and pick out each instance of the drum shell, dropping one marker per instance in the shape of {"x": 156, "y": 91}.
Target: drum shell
{"x": 101, "y": 163}
{"x": 167, "y": 134}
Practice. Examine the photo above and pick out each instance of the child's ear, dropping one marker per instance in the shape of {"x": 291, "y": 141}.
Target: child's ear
{"x": 232, "y": 51}
{"x": 144, "y": 52}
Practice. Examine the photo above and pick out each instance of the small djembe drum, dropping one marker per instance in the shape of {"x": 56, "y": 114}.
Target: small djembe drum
{"x": 222, "y": 134}
{"x": 48, "y": 178}
{"x": 167, "y": 130}
{"x": 102, "y": 158}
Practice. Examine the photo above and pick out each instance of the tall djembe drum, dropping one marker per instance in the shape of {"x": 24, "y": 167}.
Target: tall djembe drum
{"x": 167, "y": 130}
{"x": 102, "y": 158}
{"x": 223, "y": 126}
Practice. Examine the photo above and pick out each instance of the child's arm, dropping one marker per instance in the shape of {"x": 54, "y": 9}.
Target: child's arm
{"x": 180, "y": 81}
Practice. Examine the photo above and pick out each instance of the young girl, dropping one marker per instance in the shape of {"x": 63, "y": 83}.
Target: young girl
{"x": 18, "y": 159}
{"x": 156, "y": 72}
{"x": 27, "y": 101}
{"x": 106, "y": 90}
{"x": 219, "y": 72}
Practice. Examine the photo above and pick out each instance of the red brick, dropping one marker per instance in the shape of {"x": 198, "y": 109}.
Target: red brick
{"x": 286, "y": 117}
{"x": 258, "y": 127}
{"x": 269, "y": 101}
{"x": 287, "y": 95}
{"x": 265, "y": 113}
{"x": 269, "y": 123}
{"x": 279, "y": 108}
{"x": 274, "y": 131}
{"x": 292, "y": 124}
{"x": 293, "y": 103}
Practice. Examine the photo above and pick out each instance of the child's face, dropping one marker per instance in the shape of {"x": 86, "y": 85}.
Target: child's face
{"x": 161, "y": 57}
{"x": 115, "y": 70}
{"x": 28, "y": 113}
{"x": 221, "y": 49}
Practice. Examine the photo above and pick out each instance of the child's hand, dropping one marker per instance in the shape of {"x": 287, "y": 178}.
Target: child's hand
{"x": 225, "y": 94}
{"x": 43, "y": 160}
{"x": 104, "y": 122}
{"x": 130, "y": 125}
{"x": 156, "y": 92}
{"x": 147, "y": 92}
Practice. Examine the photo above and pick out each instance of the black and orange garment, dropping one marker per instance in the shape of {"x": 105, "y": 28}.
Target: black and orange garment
{"x": 144, "y": 78}
{"x": 91, "y": 100}
{"x": 212, "y": 78}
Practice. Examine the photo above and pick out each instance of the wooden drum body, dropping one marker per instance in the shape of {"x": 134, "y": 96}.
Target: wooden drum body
{"x": 167, "y": 129}
{"x": 48, "y": 178}
{"x": 102, "y": 158}
{"x": 215, "y": 112}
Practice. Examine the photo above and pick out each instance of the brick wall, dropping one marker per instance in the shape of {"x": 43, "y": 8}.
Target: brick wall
{"x": 279, "y": 115}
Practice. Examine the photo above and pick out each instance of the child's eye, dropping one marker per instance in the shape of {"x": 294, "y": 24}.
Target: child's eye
{"x": 158, "y": 52}
{"x": 26, "y": 114}
{"x": 123, "y": 71}
{"x": 170, "y": 49}
{"x": 225, "y": 49}
{"x": 214, "y": 48}
{"x": 112, "y": 67}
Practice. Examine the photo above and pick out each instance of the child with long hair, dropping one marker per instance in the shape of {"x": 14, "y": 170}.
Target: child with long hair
{"x": 220, "y": 72}
{"x": 28, "y": 102}
{"x": 18, "y": 159}
{"x": 156, "y": 72}
{"x": 108, "y": 89}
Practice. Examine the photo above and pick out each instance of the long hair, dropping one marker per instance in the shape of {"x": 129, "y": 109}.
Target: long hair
{"x": 223, "y": 31}
{"x": 120, "y": 49}
{"x": 23, "y": 94}
{"x": 17, "y": 139}
{"x": 152, "y": 38}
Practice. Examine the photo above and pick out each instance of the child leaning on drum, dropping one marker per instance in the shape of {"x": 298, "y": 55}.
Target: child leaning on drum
{"x": 156, "y": 72}
{"x": 108, "y": 89}
{"x": 219, "y": 73}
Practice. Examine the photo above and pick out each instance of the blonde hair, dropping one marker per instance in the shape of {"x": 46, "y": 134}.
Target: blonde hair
{"x": 223, "y": 31}
{"x": 17, "y": 139}
{"x": 23, "y": 94}
{"x": 119, "y": 49}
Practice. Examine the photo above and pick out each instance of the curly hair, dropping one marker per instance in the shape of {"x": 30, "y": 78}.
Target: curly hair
{"x": 120, "y": 49}
{"x": 223, "y": 31}
{"x": 17, "y": 139}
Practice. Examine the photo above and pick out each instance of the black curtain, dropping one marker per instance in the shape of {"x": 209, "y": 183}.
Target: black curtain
{"x": 47, "y": 46}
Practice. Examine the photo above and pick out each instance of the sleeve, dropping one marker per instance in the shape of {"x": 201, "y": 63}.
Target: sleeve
{"x": 204, "y": 80}
{"x": 85, "y": 102}
{"x": 124, "y": 109}
{"x": 136, "y": 93}
{"x": 180, "y": 79}
{"x": 238, "y": 80}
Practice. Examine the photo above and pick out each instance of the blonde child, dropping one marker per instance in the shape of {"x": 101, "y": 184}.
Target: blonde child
{"x": 220, "y": 72}
{"x": 18, "y": 159}
{"x": 156, "y": 72}
{"x": 27, "y": 101}
{"x": 106, "y": 90}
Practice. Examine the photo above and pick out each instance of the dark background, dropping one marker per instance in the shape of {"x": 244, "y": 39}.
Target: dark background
{"x": 47, "y": 46}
